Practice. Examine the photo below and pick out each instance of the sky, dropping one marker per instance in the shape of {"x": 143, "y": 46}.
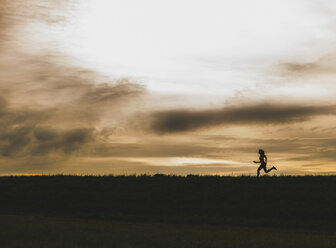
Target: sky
{"x": 177, "y": 87}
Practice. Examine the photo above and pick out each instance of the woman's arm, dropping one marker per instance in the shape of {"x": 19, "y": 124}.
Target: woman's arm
{"x": 258, "y": 162}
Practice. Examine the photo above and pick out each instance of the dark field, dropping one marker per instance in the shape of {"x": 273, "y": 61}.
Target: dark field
{"x": 167, "y": 211}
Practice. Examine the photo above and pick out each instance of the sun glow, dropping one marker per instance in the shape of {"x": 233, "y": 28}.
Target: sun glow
{"x": 182, "y": 161}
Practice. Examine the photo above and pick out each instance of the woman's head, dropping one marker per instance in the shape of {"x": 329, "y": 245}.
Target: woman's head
{"x": 261, "y": 152}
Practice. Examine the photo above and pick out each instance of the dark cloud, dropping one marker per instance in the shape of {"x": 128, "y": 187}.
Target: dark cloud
{"x": 22, "y": 133}
{"x": 185, "y": 120}
{"x": 49, "y": 140}
{"x": 47, "y": 107}
{"x": 14, "y": 140}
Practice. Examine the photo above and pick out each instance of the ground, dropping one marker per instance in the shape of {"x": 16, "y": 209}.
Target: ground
{"x": 167, "y": 211}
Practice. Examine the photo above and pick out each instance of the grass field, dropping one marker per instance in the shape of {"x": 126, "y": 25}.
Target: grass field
{"x": 167, "y": 211}
{"x": 36, "y": 231}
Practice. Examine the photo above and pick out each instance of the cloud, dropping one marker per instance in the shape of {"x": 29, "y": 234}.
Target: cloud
{"x": 52, "y": 109}
{"x": 49, "y": 140}
{"x": 323, "y": 65}
{"x": 49, "y": 107}
{"x": 172, "y": 121}
{"x": 104, "y": 93}
{"x": 22, "y": 132}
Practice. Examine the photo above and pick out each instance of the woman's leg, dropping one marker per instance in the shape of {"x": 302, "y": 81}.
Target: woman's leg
{"x": 273, "y": 168}
{"x": 259, "y": 169}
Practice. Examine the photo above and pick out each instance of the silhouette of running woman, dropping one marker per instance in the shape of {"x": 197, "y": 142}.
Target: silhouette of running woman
{"x": 263, "y": 162}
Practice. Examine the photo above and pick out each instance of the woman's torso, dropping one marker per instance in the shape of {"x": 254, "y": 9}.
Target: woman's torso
{"x": 262, "y": 160}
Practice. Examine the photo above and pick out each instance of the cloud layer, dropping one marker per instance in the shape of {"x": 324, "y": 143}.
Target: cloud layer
{"x": 185, "y": 120}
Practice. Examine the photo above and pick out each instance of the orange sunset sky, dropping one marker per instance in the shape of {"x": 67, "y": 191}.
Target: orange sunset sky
{"x": 178, "y": 87}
